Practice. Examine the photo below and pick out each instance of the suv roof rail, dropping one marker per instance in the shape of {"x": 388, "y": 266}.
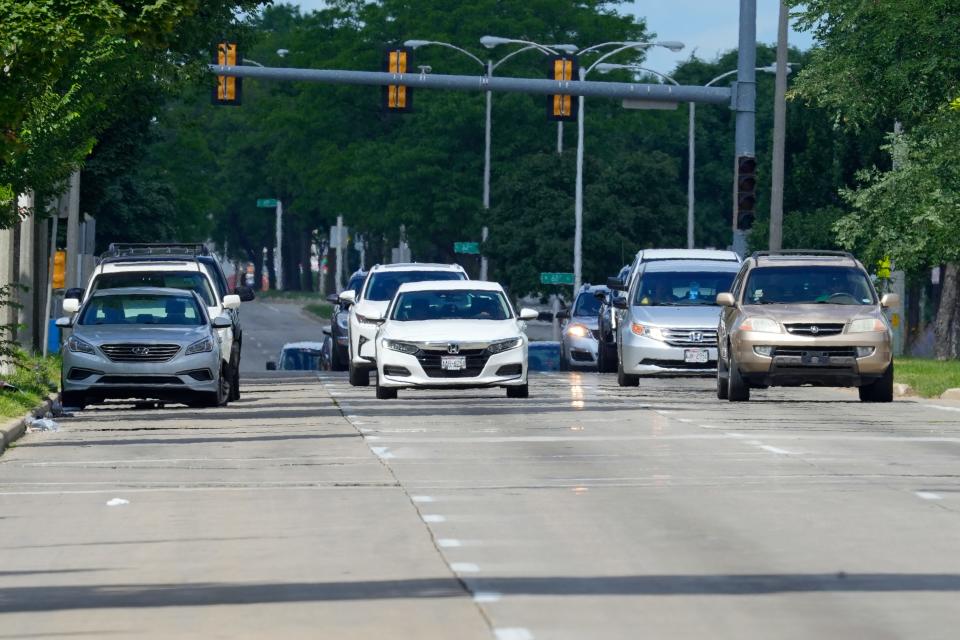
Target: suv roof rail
{"x": 803, "y": 252}
{"x": 147, "y": 249}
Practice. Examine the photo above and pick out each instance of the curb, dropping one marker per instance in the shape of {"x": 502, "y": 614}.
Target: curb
{"x": 901, "y": 390}
{"x": 15, "y": 428}
{"x": 951, "y": 394}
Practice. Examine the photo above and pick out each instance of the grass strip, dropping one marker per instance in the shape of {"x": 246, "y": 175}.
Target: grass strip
{"x": 928, "y": 378}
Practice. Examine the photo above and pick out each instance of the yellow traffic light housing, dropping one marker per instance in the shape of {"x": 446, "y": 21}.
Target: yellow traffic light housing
{"x": 562, "y": 107}
{"x": 398, "y": 98}
{"x": 746, "y": 191}
{"x": 228, "y": 89}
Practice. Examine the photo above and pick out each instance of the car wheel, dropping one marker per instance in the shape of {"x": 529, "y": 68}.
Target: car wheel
{"x": 609, "y": 359}
{"x": 338, "y": 359}
{"x": 564, "y": 360}
{"x": 220, "y": 397}
{"x": 880, "y": 390}
{"x": 234, "y": 379}
{"x": 359, "y": 377}
{"x": 73, "y": 399}
{"x": 520, "y": 391}
{"x": 626, "y": 379}
{"x": 386, "y": 393}
{"x": 737, "y": 388}
{"x": 721, "y": 379}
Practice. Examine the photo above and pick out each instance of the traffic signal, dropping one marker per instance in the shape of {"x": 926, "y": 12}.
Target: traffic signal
{"x": 562, "y": 107}
{"x": 228, "y": 88}
{"x": 746, "y": 191}
{"x": 398, "y": 98}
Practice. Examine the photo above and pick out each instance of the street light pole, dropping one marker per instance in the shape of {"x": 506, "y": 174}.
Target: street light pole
{"x": 779, "y": 133}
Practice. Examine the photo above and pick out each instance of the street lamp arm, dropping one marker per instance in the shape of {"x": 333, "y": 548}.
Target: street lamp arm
{"x": 613, "y": 53}
{"x": 420, "y": 43}
{"x": 253, "y": 62}
{"x": 636, "y": 67}
{"x": 513, "y": 53}
{"x": 721, "y": 77}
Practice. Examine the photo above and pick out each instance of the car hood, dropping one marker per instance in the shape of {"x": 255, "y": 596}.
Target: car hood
{"x": 141, "y": 334}
{"x": 451, "y": 330}
{"x": 590, "y": 322}
{"x": 692, "y": 317}
{"x": 811, "y": 313}
{"x": 368, "y": 307}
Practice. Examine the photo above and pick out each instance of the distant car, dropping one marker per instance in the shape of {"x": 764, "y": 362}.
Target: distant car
{"x": 607, "y": 324}
{"x": 579, "y": 345}
{"x": 144, "y": 342}
{"x": 378, "y": 290}
{"x": 452, "y": 334}
{"x": 340, "y": 324}
{"x": 299, "y": 356}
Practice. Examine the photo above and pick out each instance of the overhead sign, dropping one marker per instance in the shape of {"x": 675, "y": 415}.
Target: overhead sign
{"x": 556, "y": 278}
{"x": 266, "y": 203}
{"x": 466, "y": 247}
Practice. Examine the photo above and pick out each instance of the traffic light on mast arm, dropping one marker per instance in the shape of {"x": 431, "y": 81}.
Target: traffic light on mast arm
{"x": 398, "y": 98}
{"x": 562, "y": 107}
{"x": 228, "y": 89}
{"x": 746, "y": 191}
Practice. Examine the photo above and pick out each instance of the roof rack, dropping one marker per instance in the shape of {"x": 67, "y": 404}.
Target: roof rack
{"x": 155, "y": 249}
{"x": 813, "y": 253}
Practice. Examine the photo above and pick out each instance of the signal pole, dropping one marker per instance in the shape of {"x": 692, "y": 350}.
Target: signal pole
{"x": 745, "y": 104}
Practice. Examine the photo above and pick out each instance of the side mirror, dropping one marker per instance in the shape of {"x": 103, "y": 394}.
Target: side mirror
{"x": 615, "y": 284}
{"x": 246, "y": 294}
{"x": 221, "y": 322}
{"x": 271, "y": 366}
{"x": 348, "y": 296}
{"x": 600, "y": 295}
{"x": 73, "y": 292}
{"x": 545, "y": 316}
{"x": 563, "y": 315}
{"x": 890, "y": 300}
{"x": 326, "y": 330}
{"x": 333, "y": 298}
{"x": 529, "y": 314}
{"x": 231, "y": 301}
{"x": 71, "y": 305}
{"x": 726, "y": 300}
{"x": 65, "y": 322}
{"x": 620, "y": 303}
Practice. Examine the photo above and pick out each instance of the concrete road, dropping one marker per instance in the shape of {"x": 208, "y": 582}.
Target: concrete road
{"x": 268, "y": 325}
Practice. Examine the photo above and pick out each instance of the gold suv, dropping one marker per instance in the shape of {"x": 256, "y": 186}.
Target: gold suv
{"x": 797, "y": 318}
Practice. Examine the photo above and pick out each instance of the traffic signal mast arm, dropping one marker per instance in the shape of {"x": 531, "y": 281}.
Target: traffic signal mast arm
{"x": 615, "y": 90}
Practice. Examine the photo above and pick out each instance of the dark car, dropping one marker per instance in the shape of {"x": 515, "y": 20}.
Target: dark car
{"x": 607, "y": 324}
{"x": 340, "y": 324}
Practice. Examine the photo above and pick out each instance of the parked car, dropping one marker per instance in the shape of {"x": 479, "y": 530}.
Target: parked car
{"x": 144, "y": 342}
{"x": 607, "y": 323}
{"x": 452, "y": 334}
{"x": 378, "y": 290}
{"x": 307, "y": 355}
{"x": 340, "y": 323}
{"x": 669, "y": 319}
{"x": 805, "y": 318}
{"x": 579, "y": 343}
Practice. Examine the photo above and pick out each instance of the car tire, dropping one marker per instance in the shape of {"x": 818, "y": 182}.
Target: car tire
{"x": 234, "y": 379}
{"x": 880, "y": 390}
{"x": 359, "y": 377}
{"x": 73, "y": 399}
{"x": 605, "y": 362}
{"x": 564, "y": 360}
{"x": 722, "y": 376}
{"x": 626, "y": 379}
{"x": 220, "y": 397}
{"x": 386, "y": 393}
{"x": 519, "y": 391}
{"x": 338, "y": 359}
{"x": 737, "y": 388}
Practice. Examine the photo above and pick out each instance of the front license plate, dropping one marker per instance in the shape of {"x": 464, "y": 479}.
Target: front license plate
{"x": 453, "y": 363}
{"x": 697, "y": 356}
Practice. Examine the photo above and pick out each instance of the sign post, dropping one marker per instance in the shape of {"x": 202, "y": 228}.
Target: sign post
{"x": 274, "y": 203}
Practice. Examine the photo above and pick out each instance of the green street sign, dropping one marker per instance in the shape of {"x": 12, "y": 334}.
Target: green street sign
{"x": 556, "y": 278}
{"x": 466, "y": 247}
{"x": 266, "y": 203}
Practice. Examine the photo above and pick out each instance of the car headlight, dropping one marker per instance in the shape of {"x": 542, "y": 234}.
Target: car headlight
{"x": 761, "y": 325}
{"x": 402, "y": 347}
{"x": 200, "y": 346}
{"x": 646, "y": 331}
{"x": 365, "y": 320}
{"x": 577, "y": 331}
{"x": 505, "y": 345}
{"x": 77, "y": 345}
{"x": 864, "y": 325}
{"x": 343, "y": 320}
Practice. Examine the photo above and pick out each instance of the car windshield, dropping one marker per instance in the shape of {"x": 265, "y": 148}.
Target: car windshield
{"x": 356, "y": 282}
{"x": 383, "y": 285}
{"x": 136, "y": 308}
{"x": 587, "y": 305}
{"x": 189, "y": 280}
{"x": 681, "y": 288}
{"x": 415, "y": 306}
{"x": 300, "y": 359}
{"x": 808, "y": 285}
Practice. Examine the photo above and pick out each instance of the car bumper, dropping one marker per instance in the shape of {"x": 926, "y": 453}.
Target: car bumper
{"x": 647, "y": 357}
{"x": 363, "y": 349}
{"x": 581, "y": 352}
{"x": 797, "y": 360}
{"x": 503, "y": 369}
{"x": 98, "y": 376}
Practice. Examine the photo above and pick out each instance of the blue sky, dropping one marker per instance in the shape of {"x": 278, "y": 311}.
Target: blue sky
{"x": 708, "y": 27}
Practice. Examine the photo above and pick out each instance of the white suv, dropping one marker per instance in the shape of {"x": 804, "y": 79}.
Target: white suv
{"x": 189, "y": 274}
{"x": 378, "y": 290}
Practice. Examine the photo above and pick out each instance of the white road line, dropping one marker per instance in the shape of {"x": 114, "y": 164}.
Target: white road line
{"x": 423, "y": 499}
{"x": 734, "y": 435}
{"x": 464, "y": 567}
{"x": 433, "y": 517}
{"x": 382, "y": 452}
{"x": 684, "y": 420}
{"x": 372, "y": 437}
{"x": 928, "y": 495}
{"x": 942, "y": 408}
{"x": 512, "y": 633}
{"x": 776, "y": 450}
{"x": 449, "y": 543}
{"x": 481, "y": 597}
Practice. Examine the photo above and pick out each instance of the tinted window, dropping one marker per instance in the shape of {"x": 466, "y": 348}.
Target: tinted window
{"x": 143, "y": 309}
{"x": 383, "y": 285}
{"x": 681, "y": 288}
{"x": 450, "y": 305}
{"x": 300, "y": 359}
{"x": 356, "y": 283}
{"x": 808, "y": 285}
{"x": 587, "y": 305}
{"x": 189, "y": 280}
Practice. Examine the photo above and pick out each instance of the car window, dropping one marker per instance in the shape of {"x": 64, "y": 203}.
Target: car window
{"x": 414, "y": 306}
{"x": 808, "y": 285}
{"x": 356, "y": 283}
{"x": 189, "y": 280}
{"x": 217, "y": 272}
{"x": 383, "y": 285}
{"x": 587, "y": 305}
{"x": 135, "y": 309}
{"x": 681, "y": 288}
{"x": 300, "y": 359}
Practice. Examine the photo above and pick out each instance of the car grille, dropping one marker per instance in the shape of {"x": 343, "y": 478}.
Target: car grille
{"x": 140, "y": 352}
{"x": 832, "y": 352}
{"x": 476, "y": 361}
{"x": 815, "y": 329}
{"x": 677, "y": 364}
{"x": 140, "y": 380}
{"x": 689, "y": 337}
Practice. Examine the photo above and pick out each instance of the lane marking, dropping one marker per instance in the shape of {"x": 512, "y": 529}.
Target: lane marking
{"x": 422, "y": 499}
{"x": 433, "y": 517}
{"x": 464, "y": 567}
{"x": 943, "y": 408}
{"x": 512, "y": 633}
{"x": 776, "y": 450}
{"x": 928, "y": 495}
{"x": 382, "y": 452}
{"x": 481, "y": 597}
{"x": 449, "y": 543}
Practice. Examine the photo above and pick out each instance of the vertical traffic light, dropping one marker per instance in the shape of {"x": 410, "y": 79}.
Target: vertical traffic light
{"x": 398, "y": 98}
{"x": 746, "y": 191}
{"x": 228, "y": 88}
{"x": 562, "y": 107}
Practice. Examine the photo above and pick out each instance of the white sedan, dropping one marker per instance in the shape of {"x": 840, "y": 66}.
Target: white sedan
{"x": 453, "y": 334}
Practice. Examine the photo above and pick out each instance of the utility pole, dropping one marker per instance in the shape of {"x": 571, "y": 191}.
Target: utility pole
{"x": 691, "y": 163}
{"x": 26, "y": 278}
{"x": 483, "y": 256}
{"x": 745, "y": 104}
{"x": 278, "y": 252}
{"x": 779, "y": 133}
{"x": 340, "y": 242}
{"x": 73, "y": 231}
